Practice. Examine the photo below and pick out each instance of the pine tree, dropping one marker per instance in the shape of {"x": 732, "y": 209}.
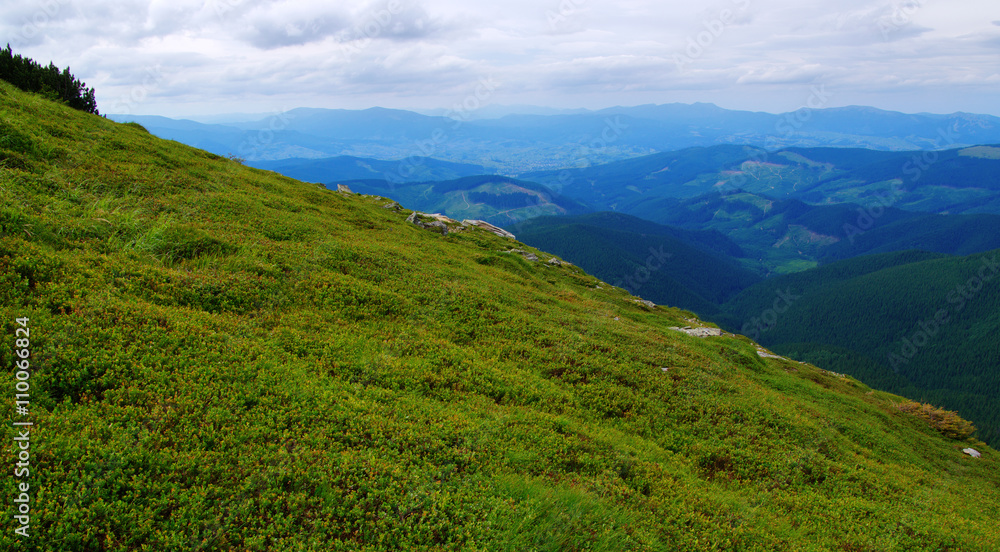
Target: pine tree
{"x": 50, "y": 82}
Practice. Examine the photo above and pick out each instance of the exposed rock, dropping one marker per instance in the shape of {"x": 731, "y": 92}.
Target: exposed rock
{"x": 699, "y": 332}
{"x": 487, "y": 226}
{"x": 527, "y": 256}
{"x": 439, "y": 224}
{"x": 343, "y": 188}
{"x": 649, "y": 304}
{"x": 763, "y": 353}
{"x": 392, "y": 205}
{"x": 972, "y": 452}
{"x": 442, "y": 218}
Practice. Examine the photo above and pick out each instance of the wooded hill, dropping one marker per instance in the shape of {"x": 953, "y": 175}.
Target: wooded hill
{"x": 921, "y": 324}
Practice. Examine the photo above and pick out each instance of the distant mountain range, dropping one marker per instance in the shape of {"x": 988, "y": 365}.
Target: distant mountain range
{"x": 788, "y": 210}
{"x": 519, "y": 143}
{"x": 345, "y": 167}
{"x": 959, "y": 180}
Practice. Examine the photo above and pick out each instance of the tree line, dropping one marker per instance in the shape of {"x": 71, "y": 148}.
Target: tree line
{"x": 27, "y": 74}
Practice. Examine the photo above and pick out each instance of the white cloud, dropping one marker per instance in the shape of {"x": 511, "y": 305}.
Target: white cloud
{"x": 403, "y": 53}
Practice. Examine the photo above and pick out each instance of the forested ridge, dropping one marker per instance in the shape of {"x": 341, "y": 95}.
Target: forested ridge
{"x": 924, "y": 325}
{"x": 28, "y": 75}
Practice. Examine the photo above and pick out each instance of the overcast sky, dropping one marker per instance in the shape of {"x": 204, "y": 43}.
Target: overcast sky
{"x": 188, "y": 57}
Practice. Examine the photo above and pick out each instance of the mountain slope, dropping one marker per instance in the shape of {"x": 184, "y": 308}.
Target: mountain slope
{"x": 690, "y": 270}
{"x": 862, "y": 316}
{"x": 223, "y": 358}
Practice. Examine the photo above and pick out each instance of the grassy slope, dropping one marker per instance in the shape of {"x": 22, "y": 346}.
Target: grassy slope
{"x": 228, "y": 359}
{"x": 854, "y": 314}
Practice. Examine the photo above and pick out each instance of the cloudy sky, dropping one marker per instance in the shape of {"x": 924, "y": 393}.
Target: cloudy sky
{"x": 194, "y": 57}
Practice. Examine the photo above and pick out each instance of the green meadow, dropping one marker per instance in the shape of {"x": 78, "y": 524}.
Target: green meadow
{"x": 222, "y": 358}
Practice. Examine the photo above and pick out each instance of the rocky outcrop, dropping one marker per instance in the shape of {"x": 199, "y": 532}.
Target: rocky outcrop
{"x": 972, "y": 452}
{"x": 435, "y": 222}
{"x": 487, "y": 226}
{"x": 699, "y": 332}
{"x": 344, "y": 189}
{"x": 764, "y": 353}
{"x": 527, "y": 256}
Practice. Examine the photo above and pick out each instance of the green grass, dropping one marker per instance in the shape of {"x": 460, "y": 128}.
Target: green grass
{"x": 227, "y": 359}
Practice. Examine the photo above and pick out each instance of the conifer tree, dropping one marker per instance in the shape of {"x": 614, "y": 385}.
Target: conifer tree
{"x": 62, "y": 86}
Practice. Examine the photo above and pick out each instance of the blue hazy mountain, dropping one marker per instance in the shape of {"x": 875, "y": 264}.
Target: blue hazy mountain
{"x": 345, "y": 167}
{"x": 519, "y": 143}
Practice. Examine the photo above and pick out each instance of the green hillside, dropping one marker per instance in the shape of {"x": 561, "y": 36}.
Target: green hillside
{"x": 221, "y": 358}
{"x": 790, "y": 236}
{"x": 688, "y": 269}
{"x": 862, "y": 317}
